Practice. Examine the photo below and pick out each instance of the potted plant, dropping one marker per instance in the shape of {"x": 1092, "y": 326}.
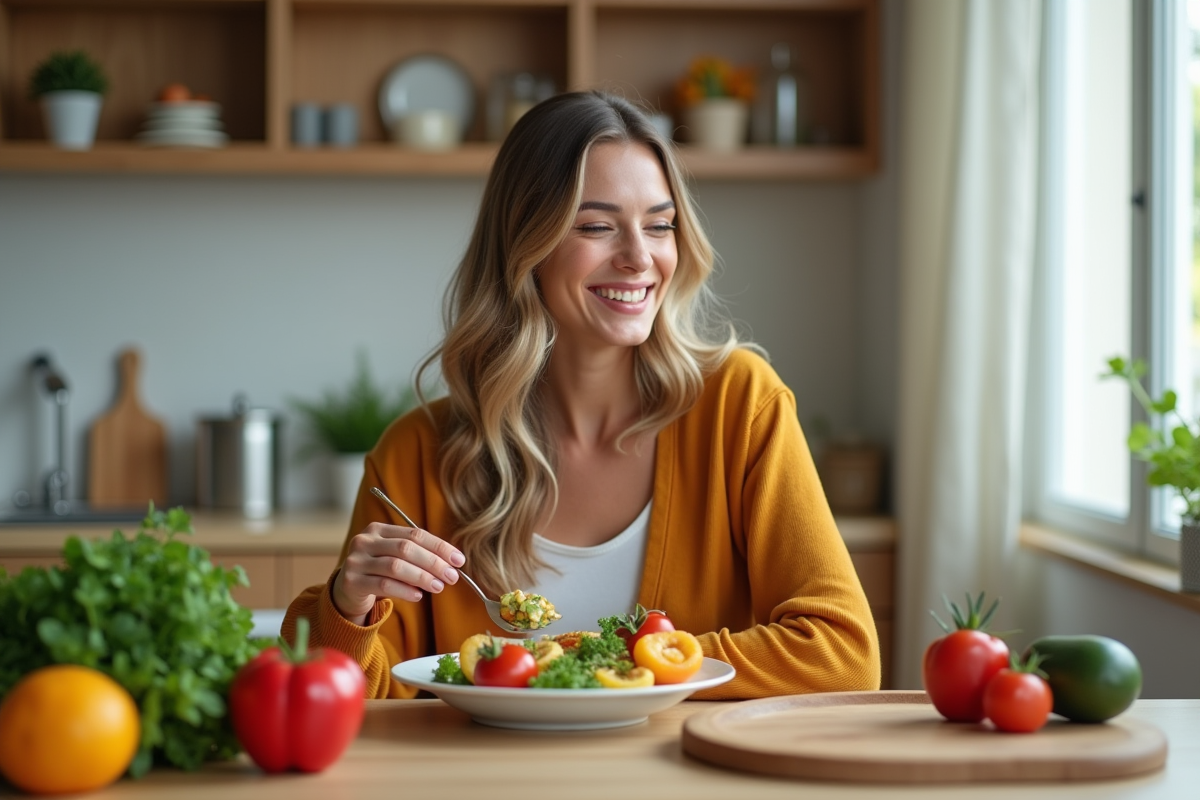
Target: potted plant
{"x": 1174, "y": 460}
{"x": 350, "y": 423}
{"x": 70, "y": 87}
{"x": 715, "y": 99}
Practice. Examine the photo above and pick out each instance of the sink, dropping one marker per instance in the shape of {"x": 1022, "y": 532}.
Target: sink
{"x": 79, "y": 514}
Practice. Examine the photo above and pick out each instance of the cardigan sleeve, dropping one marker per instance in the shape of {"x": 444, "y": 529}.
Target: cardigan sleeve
{"x": 814, "y": 631}
{"x": 393, "y": 631}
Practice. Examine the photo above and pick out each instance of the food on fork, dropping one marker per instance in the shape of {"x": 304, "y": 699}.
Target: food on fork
{"x": 527, "y": 611}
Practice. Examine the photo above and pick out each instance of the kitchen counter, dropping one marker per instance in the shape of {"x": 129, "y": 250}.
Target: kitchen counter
{"x": 424, "y": 748}
{"x": 292, "y": 550}
{"x": 318, "y": 531}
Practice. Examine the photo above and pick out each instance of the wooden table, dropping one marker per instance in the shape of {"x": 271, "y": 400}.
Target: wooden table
{"x": 425, "y": 749}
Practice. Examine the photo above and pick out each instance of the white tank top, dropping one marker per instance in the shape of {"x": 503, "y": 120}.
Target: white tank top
{"x": 593, "y": 582}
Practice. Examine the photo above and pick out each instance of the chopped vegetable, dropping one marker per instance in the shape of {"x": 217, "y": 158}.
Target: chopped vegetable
{"x": 527, "y": 611}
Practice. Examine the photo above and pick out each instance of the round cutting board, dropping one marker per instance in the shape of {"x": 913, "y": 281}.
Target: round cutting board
{"x": 898, "y": 737}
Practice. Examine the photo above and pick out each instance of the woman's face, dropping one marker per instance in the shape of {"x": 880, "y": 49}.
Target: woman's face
{"x": 606, "y": 281}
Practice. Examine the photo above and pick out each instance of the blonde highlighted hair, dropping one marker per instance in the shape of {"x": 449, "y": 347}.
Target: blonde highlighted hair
{"x": 497, "y": 457}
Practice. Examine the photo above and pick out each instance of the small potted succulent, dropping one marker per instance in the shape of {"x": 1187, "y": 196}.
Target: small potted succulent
{"x": 715, "y": 99}
{"x": 70, "y": 86}
{"x": 349, "y": 424}
{"x": 1174, "y": 459}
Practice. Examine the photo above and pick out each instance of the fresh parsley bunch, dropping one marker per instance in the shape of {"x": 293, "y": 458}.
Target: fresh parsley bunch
{"x": 151, "y": 611}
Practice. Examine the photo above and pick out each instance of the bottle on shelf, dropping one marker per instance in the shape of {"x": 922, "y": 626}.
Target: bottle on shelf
{"x": 786, "y": 100}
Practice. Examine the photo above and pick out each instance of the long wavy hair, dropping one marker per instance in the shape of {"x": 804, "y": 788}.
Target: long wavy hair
{"x": 497, "y": 458}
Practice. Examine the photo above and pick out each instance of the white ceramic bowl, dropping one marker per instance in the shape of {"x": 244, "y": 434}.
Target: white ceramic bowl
{"x": 430, "y": 129}
{"x": 559, "y": 709}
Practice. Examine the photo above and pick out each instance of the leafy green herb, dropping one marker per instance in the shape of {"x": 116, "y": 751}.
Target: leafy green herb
{"x": 448, "y": 671}
{"x": 576, "y": 669}
{"x": 152, "y": 612}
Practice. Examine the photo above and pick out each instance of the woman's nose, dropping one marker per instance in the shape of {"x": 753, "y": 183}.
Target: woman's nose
{"x": 635, "y": 253}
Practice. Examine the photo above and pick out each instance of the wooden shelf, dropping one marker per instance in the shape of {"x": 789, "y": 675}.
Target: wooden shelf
{"x": 258, "y": 57}
{"x": 473, "y": 159}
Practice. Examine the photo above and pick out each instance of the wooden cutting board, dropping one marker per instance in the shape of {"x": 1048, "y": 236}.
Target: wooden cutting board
{"x": 127, "y": 448}
{"x": 898, "y": 737}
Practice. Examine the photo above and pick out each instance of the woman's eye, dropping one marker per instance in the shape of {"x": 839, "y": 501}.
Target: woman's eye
{"x": 593, "y": 227}
{"x": 662, "y": 228}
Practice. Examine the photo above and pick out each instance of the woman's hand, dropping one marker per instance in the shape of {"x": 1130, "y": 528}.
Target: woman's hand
{"x": 392, "y": 561}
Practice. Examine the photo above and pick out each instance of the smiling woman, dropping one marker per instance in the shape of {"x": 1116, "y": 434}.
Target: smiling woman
{"x": 606, "y": 439}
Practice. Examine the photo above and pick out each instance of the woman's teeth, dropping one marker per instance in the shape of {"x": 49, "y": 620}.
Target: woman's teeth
{"x": 635, "y": 296}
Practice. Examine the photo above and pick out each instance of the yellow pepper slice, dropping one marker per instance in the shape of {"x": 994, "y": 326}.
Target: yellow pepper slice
{"x": 634, "y": 679}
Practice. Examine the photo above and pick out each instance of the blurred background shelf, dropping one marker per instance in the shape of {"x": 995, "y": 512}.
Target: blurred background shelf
{"x": 258, "y": 57}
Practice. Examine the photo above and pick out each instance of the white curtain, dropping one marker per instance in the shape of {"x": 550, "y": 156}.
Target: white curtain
{"x": 968, "y": 195}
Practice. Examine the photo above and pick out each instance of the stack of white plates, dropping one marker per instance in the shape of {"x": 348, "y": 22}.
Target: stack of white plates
{"x": 192, "y": 123}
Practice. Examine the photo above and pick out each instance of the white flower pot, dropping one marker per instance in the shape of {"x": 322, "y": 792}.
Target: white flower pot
{"x": 71, "y": 118}
{"x": 1189, "y": 558}
{"x": 347, "y": 477}
{"x": 719, "y": 123}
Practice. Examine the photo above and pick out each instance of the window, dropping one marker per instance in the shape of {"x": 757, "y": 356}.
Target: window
{"x": 1119, "y": 272}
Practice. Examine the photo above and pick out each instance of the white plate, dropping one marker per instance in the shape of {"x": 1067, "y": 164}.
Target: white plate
{"x": 427, "y": 83}
{"x": 559, "y": 709}
{"x": 161, "y": 124}
{"x": 202, "y": 107}
{"x": 183, "y": 138}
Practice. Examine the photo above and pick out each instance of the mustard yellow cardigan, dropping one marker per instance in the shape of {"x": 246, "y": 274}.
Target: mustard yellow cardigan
{"x": 743, "y": 550}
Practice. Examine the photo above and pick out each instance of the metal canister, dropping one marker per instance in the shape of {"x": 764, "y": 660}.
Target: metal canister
{"x": 239, "y": 460}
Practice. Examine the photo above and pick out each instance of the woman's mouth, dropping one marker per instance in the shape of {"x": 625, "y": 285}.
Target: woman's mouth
{"x": 622, "y": 295}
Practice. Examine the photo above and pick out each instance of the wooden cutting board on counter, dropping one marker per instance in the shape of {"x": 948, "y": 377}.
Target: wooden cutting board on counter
{"x": 898, "y": 737}
{"x": 127, "y": 448}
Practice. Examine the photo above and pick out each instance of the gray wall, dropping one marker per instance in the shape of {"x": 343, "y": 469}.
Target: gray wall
{"x": 269, "y": 286}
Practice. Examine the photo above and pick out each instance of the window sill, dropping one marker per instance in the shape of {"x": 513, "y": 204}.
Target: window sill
{"x": 1149, "y": 577}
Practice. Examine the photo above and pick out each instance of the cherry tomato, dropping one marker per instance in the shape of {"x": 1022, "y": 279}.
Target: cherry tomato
{"x": 503, "y": 664}
{"x": 958, "y": 666}
{"x": 1017, "y": 701}
{"x": 641, "y": 622}
{"x": 673, "y": 656}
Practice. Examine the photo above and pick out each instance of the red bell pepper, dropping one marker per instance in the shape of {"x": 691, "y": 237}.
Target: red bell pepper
{"x": 297, "y": 709}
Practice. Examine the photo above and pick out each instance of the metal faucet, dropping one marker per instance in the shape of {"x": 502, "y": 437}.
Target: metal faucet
{"x": 58, "y": 480}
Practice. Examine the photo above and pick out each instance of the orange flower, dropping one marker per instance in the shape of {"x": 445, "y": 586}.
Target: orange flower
{"x": 712, "y": 76}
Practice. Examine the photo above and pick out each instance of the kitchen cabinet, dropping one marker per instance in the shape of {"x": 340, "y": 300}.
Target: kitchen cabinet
{"x": 258, "y": 57}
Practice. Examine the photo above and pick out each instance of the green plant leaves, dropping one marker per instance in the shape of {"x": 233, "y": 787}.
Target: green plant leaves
{"x": 353, "y": 421}
{"x": 68, "y": 70}
{"x": 1173, "y": 457}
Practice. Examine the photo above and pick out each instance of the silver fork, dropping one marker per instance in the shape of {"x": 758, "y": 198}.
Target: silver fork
{"x": 492, "y": 606}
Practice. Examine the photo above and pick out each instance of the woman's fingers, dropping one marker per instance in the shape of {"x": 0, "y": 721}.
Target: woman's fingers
{"x": 421, "y": 549}
{"x": 399, "y": 562}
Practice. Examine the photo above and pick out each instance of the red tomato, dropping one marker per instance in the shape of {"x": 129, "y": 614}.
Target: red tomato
{"x": 642, "y": 622}
{"x": 505, "y": 665}
{"x": 957, "y": 667}
{"x": 1017, "y": 702}
{"x": 297, "y": 709}
{"x": 956, "y": 670}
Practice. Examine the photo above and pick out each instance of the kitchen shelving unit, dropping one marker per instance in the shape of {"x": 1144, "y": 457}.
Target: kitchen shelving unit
{"x": 257, "y": 57}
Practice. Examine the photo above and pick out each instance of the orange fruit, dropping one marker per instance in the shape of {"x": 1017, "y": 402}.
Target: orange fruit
{"x": 65, "y": 729}
{"x": 174, "y": 93}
